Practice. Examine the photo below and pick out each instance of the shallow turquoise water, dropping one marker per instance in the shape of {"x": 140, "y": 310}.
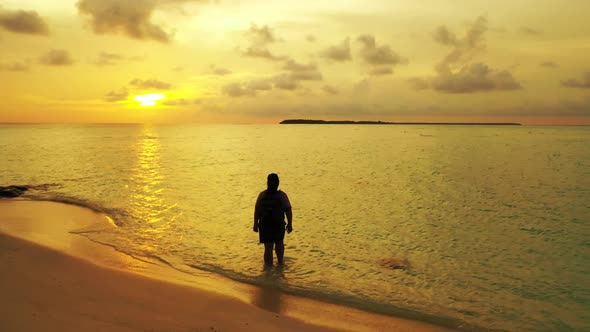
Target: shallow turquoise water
{"x": 494, "y": 222}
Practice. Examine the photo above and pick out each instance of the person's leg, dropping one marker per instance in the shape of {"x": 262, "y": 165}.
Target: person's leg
{"x": 268, "y": 253}
{"x": 280, "y": 250}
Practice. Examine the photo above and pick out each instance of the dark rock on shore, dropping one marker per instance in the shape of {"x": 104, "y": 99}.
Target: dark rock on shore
{"x": 12, "y": 191}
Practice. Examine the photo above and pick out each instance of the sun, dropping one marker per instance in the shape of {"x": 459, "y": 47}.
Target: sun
{"x": 149, "y": 99}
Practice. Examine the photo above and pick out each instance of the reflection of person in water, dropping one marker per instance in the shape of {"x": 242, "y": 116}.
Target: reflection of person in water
{"x": 269, "y": 219}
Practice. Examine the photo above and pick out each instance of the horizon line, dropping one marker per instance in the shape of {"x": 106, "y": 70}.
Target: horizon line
{"x": 278, "y": 123}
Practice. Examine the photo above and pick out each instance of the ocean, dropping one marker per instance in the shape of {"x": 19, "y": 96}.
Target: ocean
{"x": 489, "y": 226}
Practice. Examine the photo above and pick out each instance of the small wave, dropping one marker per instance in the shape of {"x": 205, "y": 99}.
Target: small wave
{"x": 140, "y": 256}
{"x": 160, "y": 259}
{"x": 116, "y": 248}
{"x": 45, "y": 186}
{"x": 116, "y": 216}
{"x": 42, "y": 192}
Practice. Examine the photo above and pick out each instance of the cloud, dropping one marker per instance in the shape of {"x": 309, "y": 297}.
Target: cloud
{"x": 290, "y": 79}
{"x": 583, "y": 83}
{"x": 259, "y": 39}
{"x": 260, "y": 85}
{"x": 381, "y": 70}
{"x": 115, "y": 96}
{"x": 150, "y": 84}
{"x": 476, "y": 32}
{"x": 292, "y": 65}
{"x": 237, "y": 90}
{"x": 330, "y": 90}
{"x": 251, "y": 88}
{"x": 261, "y": 52}
{"x": 302, "y": 72}
{"x": 21, "y": 21}
{"x": 260, "y": 35}
{"x": 456, "y": 73}
{"x": 285, "y": 82}
{"x": 111, "y": 59}
{"x": 377, "y": 55}
{"x": 108, "y": 59}
{"x": 15, "y": 66}
{"x": 219, "y": 71}
{"x": 465, "y": 49}
{"x": 380, "y": 58}
{"x": 530, "y": 31}
{"x": 476, "y": 77}
{"x": 549, "y": 64}
{"x": 181, "y": 102}
{"x": 444, "y": 36}
{"x": 130, "y": 18}
{"x": 56, "y": 58}
{"x": 339, "y": 52}
{"x": 294, "y": 72}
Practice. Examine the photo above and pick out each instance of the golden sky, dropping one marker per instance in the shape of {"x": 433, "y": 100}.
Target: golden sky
{"x": 260, "y": 61}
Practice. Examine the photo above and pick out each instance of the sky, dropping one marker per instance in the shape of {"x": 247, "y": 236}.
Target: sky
{"x": 261, "y": 61}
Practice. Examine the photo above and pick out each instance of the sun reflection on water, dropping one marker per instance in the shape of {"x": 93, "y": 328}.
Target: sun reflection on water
{"x": 148, "y": 198}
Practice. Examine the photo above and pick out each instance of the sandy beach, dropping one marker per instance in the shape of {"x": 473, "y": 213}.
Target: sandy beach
{"x": 56, "y": 281}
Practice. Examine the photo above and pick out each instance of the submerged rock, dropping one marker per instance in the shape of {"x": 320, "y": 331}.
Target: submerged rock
{"x": 12, "y": 191}
{"x": 395, "y": 263}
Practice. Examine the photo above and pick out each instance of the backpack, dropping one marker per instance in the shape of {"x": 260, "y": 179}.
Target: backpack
{"x": 272, "y": 214}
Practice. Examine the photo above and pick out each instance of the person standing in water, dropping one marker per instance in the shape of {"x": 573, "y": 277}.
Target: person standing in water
{"x": 271, "y": 208}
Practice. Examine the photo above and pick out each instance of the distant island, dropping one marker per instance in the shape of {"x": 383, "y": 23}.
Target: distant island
{"x": 349, "y": 122}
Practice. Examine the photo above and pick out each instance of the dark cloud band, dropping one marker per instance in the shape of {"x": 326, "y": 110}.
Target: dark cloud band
{"x": 21, "y": 21}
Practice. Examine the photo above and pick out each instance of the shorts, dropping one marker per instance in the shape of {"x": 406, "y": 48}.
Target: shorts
{"x": 272, "y": 234}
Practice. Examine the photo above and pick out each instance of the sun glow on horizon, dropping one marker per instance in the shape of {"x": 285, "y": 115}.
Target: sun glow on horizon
{"x": 149, "y": 99}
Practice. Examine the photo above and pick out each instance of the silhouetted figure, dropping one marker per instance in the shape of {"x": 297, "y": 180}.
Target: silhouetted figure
{"x": 269, "y": 219}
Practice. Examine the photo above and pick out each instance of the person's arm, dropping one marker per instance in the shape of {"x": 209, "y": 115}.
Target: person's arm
{"x": 288, "y": 211}
{"x": 289, "y": 214}
{"x": 256, "y": 215}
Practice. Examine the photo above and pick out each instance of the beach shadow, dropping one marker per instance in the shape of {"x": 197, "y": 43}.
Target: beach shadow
{"x": 268, "y": 296}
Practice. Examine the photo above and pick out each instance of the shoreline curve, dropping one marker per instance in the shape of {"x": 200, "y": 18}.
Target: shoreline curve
{"x": 37, "y": 238}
